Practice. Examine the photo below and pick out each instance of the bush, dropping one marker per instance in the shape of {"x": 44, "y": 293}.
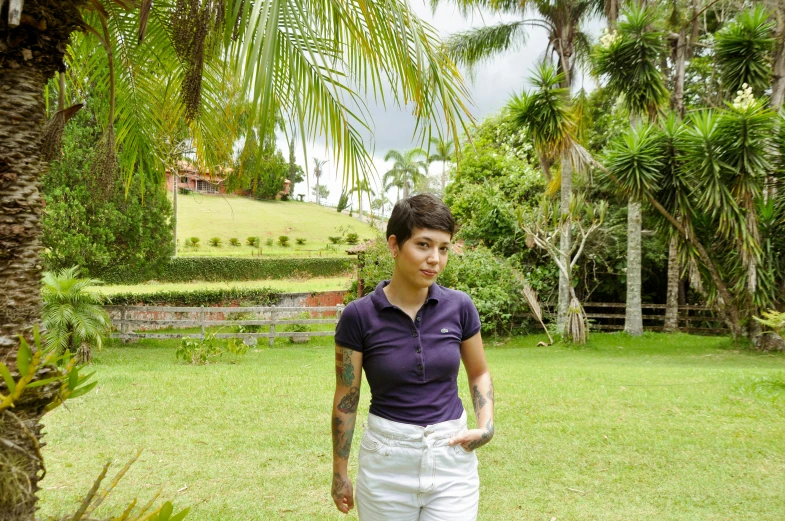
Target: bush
{"x": 300, "y": 241}
{"x": 219, "y": 269}
{"x": 269, "y": 241}
{"x": 215, "y": 241}
{"x": 352, "y": 238}
{"x": 283, "y": 240}
{"x": 198, "y": 351}
{"x": 252, "y": 242}
{"x": 336, "y": 240}
{"x": 490, "y": 282}
{"x": 194, "y": 242}
{"x": 234, "y": 241}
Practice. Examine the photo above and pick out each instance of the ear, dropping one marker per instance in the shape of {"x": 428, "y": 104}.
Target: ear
{"x": 392, "y": 245}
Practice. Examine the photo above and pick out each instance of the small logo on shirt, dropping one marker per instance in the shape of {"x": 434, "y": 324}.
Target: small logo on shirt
{"x": 445, "y": 330}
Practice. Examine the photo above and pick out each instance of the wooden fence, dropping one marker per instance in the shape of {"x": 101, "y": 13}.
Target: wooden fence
{"x": 127, "y": 319}
{"x": 609, "y": 316}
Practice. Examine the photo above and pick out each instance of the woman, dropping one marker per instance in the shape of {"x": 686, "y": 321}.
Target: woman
{"x": 417, "y": 460}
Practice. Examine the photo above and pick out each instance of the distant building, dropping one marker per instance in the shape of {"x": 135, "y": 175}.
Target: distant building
{"x": 189, "y": 177}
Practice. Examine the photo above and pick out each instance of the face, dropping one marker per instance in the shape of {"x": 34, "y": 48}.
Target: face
{"x": 422, "y": 257}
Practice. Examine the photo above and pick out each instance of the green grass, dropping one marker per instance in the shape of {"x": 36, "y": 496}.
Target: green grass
{"x": 658, "y": 428}
{"x": 207, "y": 216}
{"x": 315, "y": 284}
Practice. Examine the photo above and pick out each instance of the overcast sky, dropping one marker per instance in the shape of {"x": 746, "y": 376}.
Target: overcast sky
{"x": 490, "y": 87}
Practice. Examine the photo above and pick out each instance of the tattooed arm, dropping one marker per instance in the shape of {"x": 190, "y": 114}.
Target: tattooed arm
{"x": 481, "y": 386}
{"x": 348, "y": 375}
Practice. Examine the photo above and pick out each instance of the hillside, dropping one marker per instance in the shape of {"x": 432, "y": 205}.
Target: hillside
{"x": 207, "y": 216}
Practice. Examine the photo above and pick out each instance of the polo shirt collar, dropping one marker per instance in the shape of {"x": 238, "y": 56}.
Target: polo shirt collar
{"x": 380, "y": 301}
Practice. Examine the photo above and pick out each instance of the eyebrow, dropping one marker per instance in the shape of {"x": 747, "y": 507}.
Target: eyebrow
{"x": 426, "y": 238}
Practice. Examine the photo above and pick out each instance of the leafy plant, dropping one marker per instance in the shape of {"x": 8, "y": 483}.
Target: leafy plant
{"x": 352, "y": 238}
{"x": 336, "y": 239}
{"x": 775, "y": 320}
{"x": 343, "y": 202}
{"x": 300, "y": 241}
{"x": 194, "y": 242}
{"x": 252, "y": 241}
{"x": 283, "y": 240}
{"x": 269, "y": 241}
{"x": 234, "y": 241}
{"x": 197, "y": 351}
{"x": 215, "y": 241}
{"x": 74, "y": 319}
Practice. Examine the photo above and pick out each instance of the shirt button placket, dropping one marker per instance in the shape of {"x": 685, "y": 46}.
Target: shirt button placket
{"x": 418, "y": 346}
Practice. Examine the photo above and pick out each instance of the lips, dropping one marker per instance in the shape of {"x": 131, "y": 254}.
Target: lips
{"x": 429, "y": 273}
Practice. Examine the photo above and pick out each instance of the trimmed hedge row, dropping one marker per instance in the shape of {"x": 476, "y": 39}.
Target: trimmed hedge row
{"x": 202, "y": 297}
{"x": 217, "y": 269}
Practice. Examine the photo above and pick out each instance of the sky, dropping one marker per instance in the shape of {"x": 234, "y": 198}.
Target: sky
{"x": 490, "y": 86}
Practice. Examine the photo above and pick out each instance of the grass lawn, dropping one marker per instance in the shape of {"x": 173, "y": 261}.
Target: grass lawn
{"x": 280, "y": 285}
{"x": 207, "y": 216}
{"x": 662, "y": 427}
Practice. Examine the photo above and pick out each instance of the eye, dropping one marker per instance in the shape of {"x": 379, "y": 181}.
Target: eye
{"x": 445, "y": 249}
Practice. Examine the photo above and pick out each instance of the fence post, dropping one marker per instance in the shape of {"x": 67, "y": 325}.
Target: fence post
{"x": 338, "y": 311}
{"x": 272, "y": 326}
{"x": 201, "y": 320}
{"x": 122, "y": 324}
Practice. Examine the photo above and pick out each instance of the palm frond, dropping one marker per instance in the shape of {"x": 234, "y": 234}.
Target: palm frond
{"x": 743, "y": 50}
{"x": 475, "y": 46}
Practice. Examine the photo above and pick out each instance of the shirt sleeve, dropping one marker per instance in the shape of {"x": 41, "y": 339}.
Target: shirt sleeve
{"x": 470, "y": 318}
{"x": 348, "y": 332}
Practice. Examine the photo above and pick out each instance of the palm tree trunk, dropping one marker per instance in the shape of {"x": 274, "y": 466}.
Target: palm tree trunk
{"x": 778, "y": 71}
{"x": 176, "y": 179}
{"x": 633, "y": 319}
{"x": 564, "y": 242}
{"x": 21, "y": 127}
{"x": 677, "y": 98}
{"x": 672, "y": 299}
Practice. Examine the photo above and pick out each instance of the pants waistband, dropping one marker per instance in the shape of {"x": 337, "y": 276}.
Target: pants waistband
{"x": 407, "y": 434}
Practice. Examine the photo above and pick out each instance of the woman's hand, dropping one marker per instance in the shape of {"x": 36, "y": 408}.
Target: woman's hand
{"x": 343, "y": 495}
{"x": 473, "y": 438}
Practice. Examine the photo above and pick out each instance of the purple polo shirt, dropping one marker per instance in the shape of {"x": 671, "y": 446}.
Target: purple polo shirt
{"x": 411, "y": 365}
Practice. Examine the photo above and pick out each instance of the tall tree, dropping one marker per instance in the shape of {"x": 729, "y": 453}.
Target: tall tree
{"x": 300, "y": 56}
{"x": 408, "y": 168}
{"x": 317, "y": 174}
{"x": 443, "y": 151}
{"x": 562, "y": 21}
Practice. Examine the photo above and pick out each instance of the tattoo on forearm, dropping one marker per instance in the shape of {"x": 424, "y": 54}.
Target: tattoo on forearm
{"x": 339, "y": 485}
{"x": 348, "y": 403}
{"x": 346, "y": 448}
{"x": 486, "y": 436}
{"x": 478, "y": 399}
{"x": 490, "y": 393}
{"x": 342, "y": 439}
{"x": 344, "y": 369}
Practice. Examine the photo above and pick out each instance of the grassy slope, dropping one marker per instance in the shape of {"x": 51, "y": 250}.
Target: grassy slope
{"x": 282, "y": 286}
{"x": 207, "y": 216}
{"x": 657, "y": 428}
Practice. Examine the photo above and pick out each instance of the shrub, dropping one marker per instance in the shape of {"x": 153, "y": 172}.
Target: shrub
{"x": 252, "y": 241}
{"x": 215, "y": 241}
{"x": 269, "y": 241}
{"x": 202, "y": 297}
{"x": 234, "y": 241}
{"x": 197, "y": 351}
{"x": 283, "y": 240}
{"x": 194, "y": 241}
{"x": 352, "y": 238}
{"x": 336, "y": 240}
{"x": 300, "y": 241}
{"x": 218, "y": 269}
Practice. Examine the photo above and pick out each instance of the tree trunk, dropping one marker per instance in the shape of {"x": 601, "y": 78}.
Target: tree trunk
{"x": 21, "y": 126}
{"x": 633, "y": 319}
{"x": 778, "y": 70}
{"x": 672, "y": 299}
{"x": 564, "y": 241}
{"x": 677, "y": 98}
{"x": 176, "y": 179}
{"x": 360, "y": 203}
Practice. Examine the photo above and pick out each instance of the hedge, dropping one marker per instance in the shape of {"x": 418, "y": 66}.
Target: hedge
{"x": 217, "y": 269}
{"x": 202, "y": 297}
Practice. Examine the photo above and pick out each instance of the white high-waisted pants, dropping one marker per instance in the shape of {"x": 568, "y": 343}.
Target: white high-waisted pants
{"x": 410, "y": 473}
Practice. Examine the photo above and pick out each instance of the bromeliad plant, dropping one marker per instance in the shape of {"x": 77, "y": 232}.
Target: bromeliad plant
{"x": 544, "y": 228}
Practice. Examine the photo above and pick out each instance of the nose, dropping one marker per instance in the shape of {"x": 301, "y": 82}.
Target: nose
{"x": 433, "y": 256}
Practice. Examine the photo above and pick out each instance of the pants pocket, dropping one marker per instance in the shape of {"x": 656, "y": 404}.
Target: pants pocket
{"x": 369, "y": 444}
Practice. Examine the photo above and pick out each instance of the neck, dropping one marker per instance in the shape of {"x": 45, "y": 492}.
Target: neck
{"x": 404, "y": 295}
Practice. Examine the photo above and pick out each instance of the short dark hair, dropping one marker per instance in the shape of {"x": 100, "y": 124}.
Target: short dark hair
{"x": 419, "y": 211}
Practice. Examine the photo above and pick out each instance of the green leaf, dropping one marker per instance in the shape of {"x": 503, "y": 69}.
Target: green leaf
{"x": 9, "y": 381}
{"x": 180, "y": 515}
{"x": 45, "y": 381}
{"x": 166, "y": 511}
{"x": 83, "y": 390}
{"x": 73, "y": 379}
{"x": 23, "y": 357}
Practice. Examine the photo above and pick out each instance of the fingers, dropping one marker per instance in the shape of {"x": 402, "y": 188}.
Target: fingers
{"x": 349, "y": 501}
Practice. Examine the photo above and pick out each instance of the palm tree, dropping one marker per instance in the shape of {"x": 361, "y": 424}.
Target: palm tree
{"x": 443, "y": 152}
{"x": 628, "y": 59}
{"x": 363, "y": 187}
{"x": 288, "y": 58}
{"x": 409, "y": 168}
{"x": 562, "y": 21}
{"x": 74, "y": 319}
{"x": 317, "y": 173}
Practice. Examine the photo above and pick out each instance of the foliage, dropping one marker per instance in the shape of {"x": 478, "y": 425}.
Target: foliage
{"x": 234, "y": 241}
{"x": 343, "y": 202}
{"x": 185, "y": 269}
{"x": 201, "y": 351}
{"x": 199, "y": 297}
{"x": 300, "y": 241}
{"x": 775, "y": 320}
{"x": 252, "y": 241}
{"x": 215, "y": 241}
{"x": 743, "y": 50}
{"x": 336, "y": 239}
{"x": 283, "y": 240}
{"x": 74, "y": 319}
{"x": 320, "y": 192}
{"x": 99, "y": 232}
{"x": 269, "y": 241}
{"x": 193, "y": 242}
{"x": 352, "y": 238}
{"x": 409, "y": 169}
